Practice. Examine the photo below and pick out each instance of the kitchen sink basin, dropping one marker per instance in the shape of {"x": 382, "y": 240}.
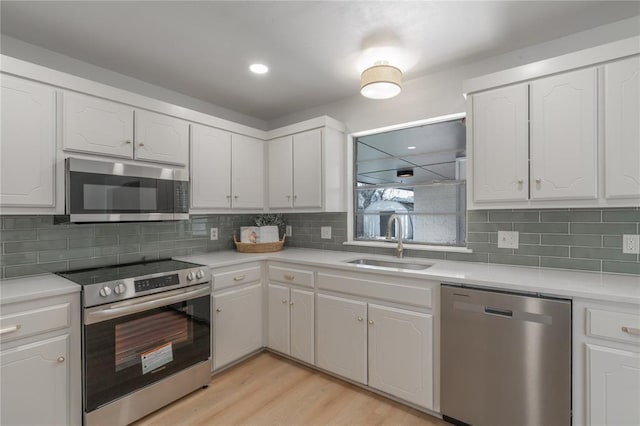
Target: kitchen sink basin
{"x": 390, "y": 264}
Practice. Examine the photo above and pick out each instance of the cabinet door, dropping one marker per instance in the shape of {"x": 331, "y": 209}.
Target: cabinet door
{"x": 563, "y": 139}
{"x": 278, "y": 301}
{"x": 307, "y": 169}
{"x": 210, "y": 168}
{"x": 237, "y": 324}
{"x": 97, "y": 126}
{"x": 247, "y": 171}
{"x": 401, "y": 354}
{"x": 35, "y": 383}
{"x": 501, "y": 145}
{"x": 28, "y": 154}
{"x": 342, "y": 337}
{"x": 302, "y": 325}
{"x": 280, "y": 172}
{"x": 622, "y": 128}
{"x": 613, "y": 386}
{"x": 161, "y": 138}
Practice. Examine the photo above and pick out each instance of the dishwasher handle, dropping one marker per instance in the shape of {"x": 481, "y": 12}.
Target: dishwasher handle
{"x": 499, "y": 312}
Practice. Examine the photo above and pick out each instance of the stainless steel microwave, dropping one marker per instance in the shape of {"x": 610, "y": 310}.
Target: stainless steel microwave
{"x": 100, "y": 191}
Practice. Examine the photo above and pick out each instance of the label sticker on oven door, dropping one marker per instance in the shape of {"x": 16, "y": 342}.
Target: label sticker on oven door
{"x": 156, "y": 358}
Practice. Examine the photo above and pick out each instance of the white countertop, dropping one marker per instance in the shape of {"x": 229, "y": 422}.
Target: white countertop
{"x": 546, "y": 281}
{"x": 35, "y": 287}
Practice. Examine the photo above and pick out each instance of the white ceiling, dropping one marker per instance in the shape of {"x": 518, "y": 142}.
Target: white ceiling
{"x": 314, "y": 49}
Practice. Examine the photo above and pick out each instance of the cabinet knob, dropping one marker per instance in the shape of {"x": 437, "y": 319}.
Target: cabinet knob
{"x": 290, "y": 277}
{"x": 127, "y": 142}
{"x": 295, "y": 197}
{"x": 228, "y": 197}
{"x": 360, "y": 319}
{"x": 370, "y": 321}
{"x": 520, "y": 181}
{"x": 219, "y": 310}
{"x": 140, "y": 144}
{"x": 290, "y": 303}
{"x": 235, "y": 196}
{"x": 61, "y": 359}
{"x": 239, "y": 278}
{"x": 538, "y": 180}
{"x": 284, "y": 300}
{"x": 288, "y": 197}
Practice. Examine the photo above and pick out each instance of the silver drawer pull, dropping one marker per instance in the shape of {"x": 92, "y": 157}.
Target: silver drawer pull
{"x": 11, "y": 329}
{"x": 631, "y": 330}
{"x": 284, "y": 300}
{"x": 219, "y": 310}
{"x": 60, "y": 359}
{"x": 290, "y": 277}
{"x": 239, "y": 277}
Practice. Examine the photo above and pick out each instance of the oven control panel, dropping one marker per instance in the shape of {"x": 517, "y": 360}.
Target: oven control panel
{"x": 156, "y": 282}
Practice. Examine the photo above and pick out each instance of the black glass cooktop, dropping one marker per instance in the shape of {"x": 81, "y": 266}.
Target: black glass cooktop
{"x": 131, "y": 270}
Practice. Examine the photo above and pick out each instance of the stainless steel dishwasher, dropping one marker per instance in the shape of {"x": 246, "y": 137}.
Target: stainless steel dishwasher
{"x": 505, "y": 358}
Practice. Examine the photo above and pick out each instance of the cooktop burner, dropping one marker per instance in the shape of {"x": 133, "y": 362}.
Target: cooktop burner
{"x": 130, "y": 270}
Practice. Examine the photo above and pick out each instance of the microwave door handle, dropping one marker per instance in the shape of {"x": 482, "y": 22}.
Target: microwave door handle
{"x": 116, "y": 311}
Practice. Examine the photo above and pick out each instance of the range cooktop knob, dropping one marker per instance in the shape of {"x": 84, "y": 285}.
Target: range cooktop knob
{"x": 119, "y": 288}
{"x": 200, "y": 274}
{"x": 105, "y": 291}
{"x": 190, "y": 276}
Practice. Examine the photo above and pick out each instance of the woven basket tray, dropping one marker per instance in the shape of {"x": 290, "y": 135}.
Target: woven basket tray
{"x": 258, "y": 247}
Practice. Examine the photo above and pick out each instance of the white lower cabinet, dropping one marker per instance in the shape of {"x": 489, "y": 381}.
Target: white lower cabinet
{"x": 400, "y": 353}
{"x": 35, "y": 373}
{"x": 40, "y": 362}
{"x": 291, "y": 320}
{"x": 606, "y": 364}
{"x": 237, "y": 324}
{"x": 389, "y": 349}
{"x": 342, "y": 337}
{"x": 613, "y": 386}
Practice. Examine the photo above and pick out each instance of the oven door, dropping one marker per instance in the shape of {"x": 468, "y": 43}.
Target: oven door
{"x": 131, "y": 344}
{"x": 99, "y": 191}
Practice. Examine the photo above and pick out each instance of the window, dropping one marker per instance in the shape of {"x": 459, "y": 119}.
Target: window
{"x": 416, "y": 173}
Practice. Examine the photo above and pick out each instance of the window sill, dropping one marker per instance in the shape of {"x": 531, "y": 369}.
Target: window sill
{"x": 422, "y": 247}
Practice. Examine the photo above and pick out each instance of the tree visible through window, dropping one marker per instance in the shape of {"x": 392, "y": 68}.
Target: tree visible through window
{"x": 416, "y": 173}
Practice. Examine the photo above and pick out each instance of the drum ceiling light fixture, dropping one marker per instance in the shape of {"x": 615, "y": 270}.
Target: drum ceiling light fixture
{"x": 381, "y": 81}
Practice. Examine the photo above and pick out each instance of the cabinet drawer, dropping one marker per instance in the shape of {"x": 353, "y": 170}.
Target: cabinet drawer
{"x": 236, "y": 277}
{"x": 619, "y": 326}
{"x": 36, "y": 321}
{"x": 291, "y": 276}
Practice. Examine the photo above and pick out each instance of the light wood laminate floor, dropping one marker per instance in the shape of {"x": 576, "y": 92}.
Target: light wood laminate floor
{"x": 271, "y": 390}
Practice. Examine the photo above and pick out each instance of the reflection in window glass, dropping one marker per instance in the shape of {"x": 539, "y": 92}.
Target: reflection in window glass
{"x": 417, "y": 174}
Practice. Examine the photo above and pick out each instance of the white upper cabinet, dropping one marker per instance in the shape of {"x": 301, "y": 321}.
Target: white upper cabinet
{"x": 622, "y": 128}
{"x": 210, "y": 168}
{"x": 94, "y": 125}
{"x": 161, "y": 138}
{"x": 28, "y": 152}
{"x": 501, "y": 144}
{"x": 280, "y": 159}
{"x": 97, "y": 126}
{"x": 247, "y": 172}
{"x": 564, "y": 136}
{"x": 307, "y": 169}
{"x": 295, "y": 170}
{"x": 227, "y": 170}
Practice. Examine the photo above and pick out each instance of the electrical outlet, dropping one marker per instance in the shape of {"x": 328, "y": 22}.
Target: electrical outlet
{"x": 213, "y": 234}
{"x": 631, "y": 244}
{"x": 508, "y": 239}
{"x": 325, "y": 232}
{"x": 288, "y": 230}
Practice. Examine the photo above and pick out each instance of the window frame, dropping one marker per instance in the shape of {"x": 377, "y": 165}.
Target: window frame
{"x": 351, "y": 179}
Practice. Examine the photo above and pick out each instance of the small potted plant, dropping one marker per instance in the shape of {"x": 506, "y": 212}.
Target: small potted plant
{"x": 271, "y": 226}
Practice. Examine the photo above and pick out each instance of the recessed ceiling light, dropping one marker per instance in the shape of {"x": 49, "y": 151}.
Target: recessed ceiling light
{"x": 259, "y": 68}
{"x": 405, "y": 173}
{"x": 411, "y": 147}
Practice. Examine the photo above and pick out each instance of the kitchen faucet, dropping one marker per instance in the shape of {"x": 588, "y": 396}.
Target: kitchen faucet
{"x": 399, "y": 249}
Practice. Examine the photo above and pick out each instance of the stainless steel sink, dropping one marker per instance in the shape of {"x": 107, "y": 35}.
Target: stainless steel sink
{"x": 390, "y": 264}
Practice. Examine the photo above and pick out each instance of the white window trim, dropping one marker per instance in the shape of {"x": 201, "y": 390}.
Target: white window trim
{"x": 350, "y": 206}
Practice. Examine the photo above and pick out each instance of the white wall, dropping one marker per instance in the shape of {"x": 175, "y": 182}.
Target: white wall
{"x": 440, "y": 93}
{"x": 31, "y": 53}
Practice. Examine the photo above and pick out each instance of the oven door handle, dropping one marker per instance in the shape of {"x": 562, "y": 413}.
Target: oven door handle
{"x": 102, "y": 313}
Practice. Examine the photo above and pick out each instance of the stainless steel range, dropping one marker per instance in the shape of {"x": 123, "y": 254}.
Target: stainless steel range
{"x": 145, "y": 339}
